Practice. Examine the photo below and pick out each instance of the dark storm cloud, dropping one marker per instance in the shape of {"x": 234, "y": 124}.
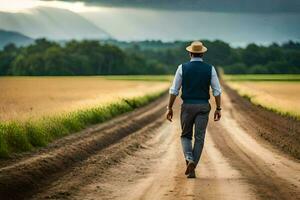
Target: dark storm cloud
{"x": 260, "y": 6}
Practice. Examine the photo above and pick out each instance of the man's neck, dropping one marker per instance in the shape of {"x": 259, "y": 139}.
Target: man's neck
{"x": 196, "y": 59}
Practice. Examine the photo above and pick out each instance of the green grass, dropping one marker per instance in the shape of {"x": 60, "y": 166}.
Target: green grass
{"x": 18, "y": 136}
{"x": 262, "y": 77}
{"x": 140, "y": 77}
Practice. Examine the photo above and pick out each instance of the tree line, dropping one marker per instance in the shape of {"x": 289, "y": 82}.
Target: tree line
{"x": 73, "y": 58}
{"x": 90, "y": 57}
{"x": 252, "y": 59}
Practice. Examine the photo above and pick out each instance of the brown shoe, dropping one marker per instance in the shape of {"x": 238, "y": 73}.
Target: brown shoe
{"x": 192, "y": 174}
{"x": 190, "y": 167}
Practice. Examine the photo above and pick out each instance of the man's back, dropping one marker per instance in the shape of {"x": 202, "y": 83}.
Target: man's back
{"x": 196, "y": 78}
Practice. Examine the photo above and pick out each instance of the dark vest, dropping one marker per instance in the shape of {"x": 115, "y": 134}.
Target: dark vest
{"x": 196, "y": 77}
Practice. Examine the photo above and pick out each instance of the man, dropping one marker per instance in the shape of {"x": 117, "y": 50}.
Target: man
{"x": 195, "y": 78}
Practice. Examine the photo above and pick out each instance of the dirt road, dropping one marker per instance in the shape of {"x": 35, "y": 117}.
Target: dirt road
{"x": 149, "y": 164}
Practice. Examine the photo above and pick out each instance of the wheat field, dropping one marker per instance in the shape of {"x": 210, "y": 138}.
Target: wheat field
{"x": 32, "y": 97}
{"x": 279, "y": 96}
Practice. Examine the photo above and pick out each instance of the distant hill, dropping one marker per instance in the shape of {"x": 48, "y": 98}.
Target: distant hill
{"x": 259, "y": 6}
{"x": 51, "y": 23}
{"x": 18, "y": 39}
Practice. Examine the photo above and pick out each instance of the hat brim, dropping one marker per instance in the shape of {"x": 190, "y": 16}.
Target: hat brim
{"x": 190, "y": 49}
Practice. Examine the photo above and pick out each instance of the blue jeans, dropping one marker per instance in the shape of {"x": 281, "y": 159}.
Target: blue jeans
{"x": 193, "y": 116}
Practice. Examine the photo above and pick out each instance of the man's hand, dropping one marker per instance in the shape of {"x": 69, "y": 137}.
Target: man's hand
{"x": 170, "y": 114}
{"x": 217, "y": 115}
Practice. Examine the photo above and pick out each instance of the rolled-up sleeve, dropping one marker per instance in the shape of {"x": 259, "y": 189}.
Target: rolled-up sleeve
{"x": 215, "y": 84}
{"x": 176, "y": 85}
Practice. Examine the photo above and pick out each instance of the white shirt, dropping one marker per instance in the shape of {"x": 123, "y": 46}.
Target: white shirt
{"x": 215, "y": 84}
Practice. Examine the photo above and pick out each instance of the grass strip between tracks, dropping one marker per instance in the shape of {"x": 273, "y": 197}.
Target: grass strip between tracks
{"x": 22, "y": 136}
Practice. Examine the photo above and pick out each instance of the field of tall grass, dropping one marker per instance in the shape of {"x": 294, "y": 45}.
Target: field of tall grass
{"x": 23, "y": 98}
{"x": 37, "y": 110}
{"x": 279, "y": 93}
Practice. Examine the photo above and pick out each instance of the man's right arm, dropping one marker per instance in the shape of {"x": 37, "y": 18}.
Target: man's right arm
{"x": 174, "y": 91}
{"x": 176, "y": 85}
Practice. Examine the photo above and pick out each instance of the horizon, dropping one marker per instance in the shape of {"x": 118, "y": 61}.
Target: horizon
{"x": 157, "y": 40}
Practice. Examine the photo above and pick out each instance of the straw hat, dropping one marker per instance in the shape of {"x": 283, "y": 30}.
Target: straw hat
{"x": 196, "y": 47}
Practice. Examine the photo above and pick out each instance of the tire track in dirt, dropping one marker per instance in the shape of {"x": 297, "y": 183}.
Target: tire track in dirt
{"x": 83, "y": 179}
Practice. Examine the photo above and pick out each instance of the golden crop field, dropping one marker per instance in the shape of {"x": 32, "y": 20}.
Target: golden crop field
{"x": 282, "y": 96}
{"x": 31, "y": 97}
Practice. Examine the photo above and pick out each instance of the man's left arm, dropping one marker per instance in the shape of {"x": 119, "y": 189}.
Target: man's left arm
{"x": 216, "y": 89}
{"x": 174, "y": 91}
